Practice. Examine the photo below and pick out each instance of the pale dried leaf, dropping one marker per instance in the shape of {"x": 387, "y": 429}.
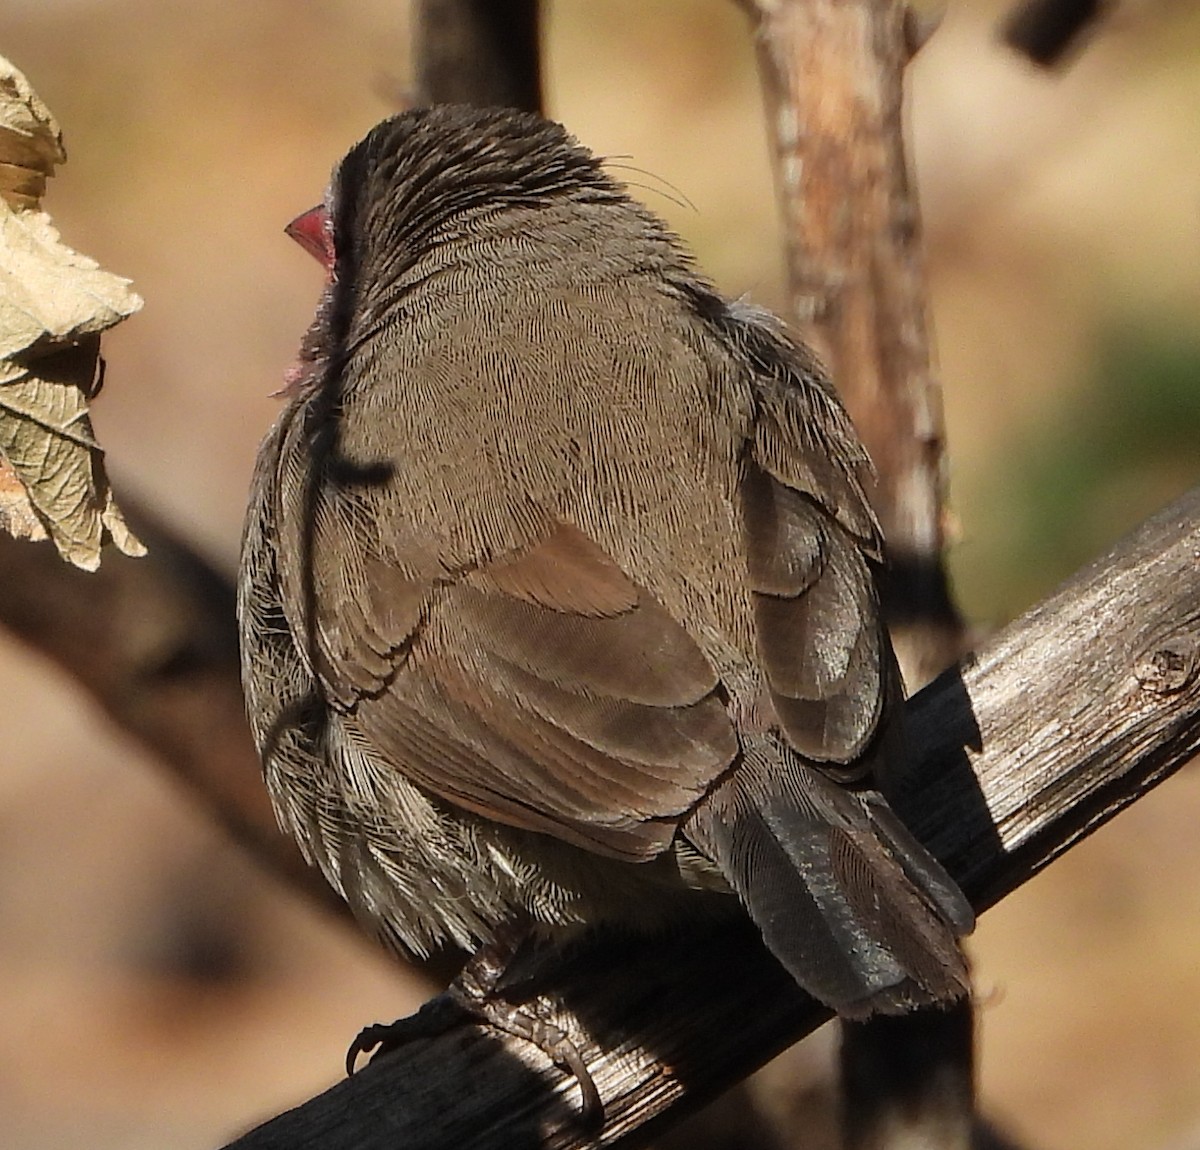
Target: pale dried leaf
{"x": 46, "y": 436}
{"x": 54, "y": 303}
{"x": 17, "y": 516}
{"x": 49, "y": 294}
{"x": 30, "y": 140}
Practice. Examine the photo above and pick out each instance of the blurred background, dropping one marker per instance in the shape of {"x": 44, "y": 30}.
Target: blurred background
{"x": 155, "y": 988}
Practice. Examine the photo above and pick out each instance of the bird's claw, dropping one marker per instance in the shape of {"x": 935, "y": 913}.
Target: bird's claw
{"x": 370, "y": 1038}
{"x": 461, "y": 1004}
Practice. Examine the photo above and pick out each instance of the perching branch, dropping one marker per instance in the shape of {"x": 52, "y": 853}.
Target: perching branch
{"x": 154, "y": 642}
{"x": 1063, "y": 719}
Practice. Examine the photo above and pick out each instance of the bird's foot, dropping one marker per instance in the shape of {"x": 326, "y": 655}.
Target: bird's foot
{"x": 521, "y": 1020}
{"x": 436, "y": 1017}
{"x": 475, "y": 996}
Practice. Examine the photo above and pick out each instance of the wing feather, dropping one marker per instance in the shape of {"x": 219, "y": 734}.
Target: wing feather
{"x": 817, "y": 620}
{"x": 545, "y": 690}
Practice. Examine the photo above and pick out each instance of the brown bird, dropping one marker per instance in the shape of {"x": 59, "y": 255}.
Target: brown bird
{"x": 559, "y": 599}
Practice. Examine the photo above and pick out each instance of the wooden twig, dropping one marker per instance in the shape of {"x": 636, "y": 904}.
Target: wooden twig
{"x": 832, "y": 74}
{"x": 1048, "y": 30}
{"x": 1063, "y": 719}
{"x": 482, "y": 52}
{"x": 154, "y": 642}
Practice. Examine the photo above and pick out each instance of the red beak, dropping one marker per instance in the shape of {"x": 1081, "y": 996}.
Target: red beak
{"x": 313, "y": 231}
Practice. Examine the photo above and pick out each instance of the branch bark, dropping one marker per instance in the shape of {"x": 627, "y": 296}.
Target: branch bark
{"x": 154, "y": 642}
{"x": 833, "y": 79}
{"x": 1064, "y": 718}
{"x": 833, "y": 82}
{"x": 1047, "y": 31}
{"x": 482, "y": 52}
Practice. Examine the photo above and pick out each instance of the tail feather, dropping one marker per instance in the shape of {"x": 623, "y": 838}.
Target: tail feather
{"x": 923, "y": 870}
{"x": 853, "y": 906}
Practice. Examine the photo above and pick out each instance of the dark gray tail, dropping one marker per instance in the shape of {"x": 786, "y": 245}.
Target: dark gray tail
{"x": 854, "y": 907}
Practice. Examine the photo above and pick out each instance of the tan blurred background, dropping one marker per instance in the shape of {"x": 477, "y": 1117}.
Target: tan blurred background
{"x": 154, "y": 989}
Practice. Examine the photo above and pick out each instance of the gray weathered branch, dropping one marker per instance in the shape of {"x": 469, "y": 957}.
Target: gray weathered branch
{"x": 1064, "y": 718}
{"x": 154, "y": 642}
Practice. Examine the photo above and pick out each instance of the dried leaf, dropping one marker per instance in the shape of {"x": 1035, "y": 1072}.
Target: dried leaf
{"x": 30, "y": 141}
{"x": 54, "y": 303}
{"x": 49, "y": 294}
{"x": 16, "y": 512}
{"x": 46, "y": 437}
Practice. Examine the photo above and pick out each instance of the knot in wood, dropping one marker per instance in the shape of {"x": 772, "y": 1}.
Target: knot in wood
{"x": 1166, "y": 670}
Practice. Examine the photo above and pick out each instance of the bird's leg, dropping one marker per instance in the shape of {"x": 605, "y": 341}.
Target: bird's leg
{"x": 437, "y": 1016}
{"x": 477, "y": 991}
{"x": 476, "y": 995}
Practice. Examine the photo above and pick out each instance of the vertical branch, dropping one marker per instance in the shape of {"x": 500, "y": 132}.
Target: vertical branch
{"x": 483, "y": 52}
{"x": 832, "y": 74}
{"x": 1048, "y": 30}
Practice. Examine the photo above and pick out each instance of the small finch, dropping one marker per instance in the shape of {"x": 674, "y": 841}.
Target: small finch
{"x": 559, "y": 590}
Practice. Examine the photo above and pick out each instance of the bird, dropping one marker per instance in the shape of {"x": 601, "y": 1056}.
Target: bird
{"x": 559, "y": 591}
